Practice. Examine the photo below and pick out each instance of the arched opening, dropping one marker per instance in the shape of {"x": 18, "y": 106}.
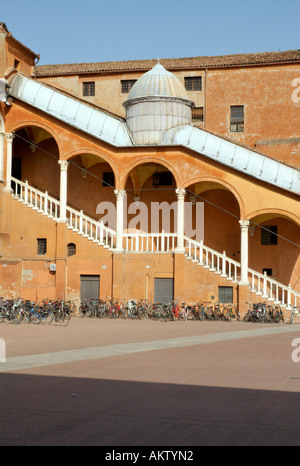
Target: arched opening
{"x": 218, "y": 217}
{"x": 71, "y": 249}
{"x": 274, "y": 242}
{"x": 151, "y": 198}
{"x": 91, "y": 183}
{"x": 35, "y": 159}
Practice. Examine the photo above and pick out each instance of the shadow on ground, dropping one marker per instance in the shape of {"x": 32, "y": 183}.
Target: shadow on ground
{"x": 44, "y": 410}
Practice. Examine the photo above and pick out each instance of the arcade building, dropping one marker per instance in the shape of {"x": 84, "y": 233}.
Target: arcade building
{"x": 171, "y": 179}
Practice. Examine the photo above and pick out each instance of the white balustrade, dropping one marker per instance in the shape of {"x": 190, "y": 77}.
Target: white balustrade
{"x": 90, "y": 228}
{"x": 36, "y": 199}
{"x": 150, "y": 242}
{"x": 163, "y": 242}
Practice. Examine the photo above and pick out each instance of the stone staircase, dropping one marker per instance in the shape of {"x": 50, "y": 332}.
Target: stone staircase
{"x": 137, "y": 242}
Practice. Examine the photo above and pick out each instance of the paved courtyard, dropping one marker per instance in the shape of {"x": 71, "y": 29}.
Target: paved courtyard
{"x": 146, "y": 383}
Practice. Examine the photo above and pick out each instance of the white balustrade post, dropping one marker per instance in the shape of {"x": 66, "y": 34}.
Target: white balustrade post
{"x": 26, "y": 193}
{"x": 244, "y": 224}
{"x": 180, "y": 220}
{"x": 224, "y": 265}
{"x": 63, "y": 190}
{"x": 201, "y": 253}
{"x": 289, "y": 300}
{"x": 46, "y": 204}
{"x": 9, "y": 142}
{"x": 265, "y": 294}
{"x": 120, "y": 194}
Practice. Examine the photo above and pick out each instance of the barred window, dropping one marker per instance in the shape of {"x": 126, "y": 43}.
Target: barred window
{"x": 88, "y": 88}
{"x": 41, "y": 246}
{"x": 126, "y": 85}
{"x": 269, "y": 235}
{"x": 193, "y": 83}
{"x": 197, "y": 114}
{"x": 237, "y": 118}
{"x": 71, "y": 249}
{"x": 225, "y": 294}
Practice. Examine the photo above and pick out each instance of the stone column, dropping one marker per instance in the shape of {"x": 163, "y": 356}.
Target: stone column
{"x": 120, "y": 194}
{"x": 180, "y": 220}
{"x": 244, "y": 224}
{"x": 9, "y": 142}
{"x": 63, "y": 190}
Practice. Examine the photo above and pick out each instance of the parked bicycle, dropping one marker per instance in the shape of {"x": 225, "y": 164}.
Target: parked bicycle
{"x": 264, "y": 313}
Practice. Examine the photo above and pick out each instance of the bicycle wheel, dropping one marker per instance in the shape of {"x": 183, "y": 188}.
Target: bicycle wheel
{"x": 35, "y": 317}
{"x": 46, "y": 317}
{"x": 62, "y": 318}
{"x": 15, "y": 317}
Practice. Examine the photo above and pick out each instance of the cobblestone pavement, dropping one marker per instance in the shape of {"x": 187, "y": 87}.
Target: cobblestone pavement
{"x": 147, "y": 383}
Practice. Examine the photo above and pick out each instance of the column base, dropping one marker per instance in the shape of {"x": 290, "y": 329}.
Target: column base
{"x": 118, "y": 250}
{"x": 180, "y": 249}
{"x": 243, "y": 283}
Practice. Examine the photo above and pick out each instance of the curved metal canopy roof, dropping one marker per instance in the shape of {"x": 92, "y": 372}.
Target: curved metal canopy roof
{"x": 114, "y": 131}
{"x": 71, "y": 111}
{"x": 234, "y": 155}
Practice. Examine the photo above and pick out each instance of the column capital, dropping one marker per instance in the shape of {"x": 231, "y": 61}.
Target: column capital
{"x": 9, "y": 136}
{"x": 180, "y": 193}
{"x": 120, "y": 193}
{"x": 244, "y": 224}
{"x": 63, "y": 164}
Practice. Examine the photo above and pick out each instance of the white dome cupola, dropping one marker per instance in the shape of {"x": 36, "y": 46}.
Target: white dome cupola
{"x": 157, "y": 102}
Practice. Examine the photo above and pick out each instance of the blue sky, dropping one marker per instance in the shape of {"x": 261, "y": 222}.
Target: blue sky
{"x": 72, "y": 31}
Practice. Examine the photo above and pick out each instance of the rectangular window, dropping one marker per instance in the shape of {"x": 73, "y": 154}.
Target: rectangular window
{"x": 41, "y": 246}
{"x": 88, "y": 88}
{"x": 108, "y": 179}
{"x": 193, "y": 83}
{"x": 237, "y": 118}
{"x": 197, "y": 114}
{"x": 126, "y": 85}
{"x": 269, "y": 235}
{"x": 162, "y": 179}
{"x": 225, "y": 294}
{"x": 268, "y": 272}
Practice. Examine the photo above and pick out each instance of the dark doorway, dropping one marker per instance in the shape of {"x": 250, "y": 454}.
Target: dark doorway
{"x": 89, "y": 287}
{"x": 163, "y": 290}
{"x": 16, "y": 170}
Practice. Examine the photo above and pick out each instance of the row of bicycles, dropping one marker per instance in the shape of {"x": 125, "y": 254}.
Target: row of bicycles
{"x": 264, "y": 313}
{"x": 142, "y": 309}
{"x": 59, "y": 312}
{"x": 20, "y": 310}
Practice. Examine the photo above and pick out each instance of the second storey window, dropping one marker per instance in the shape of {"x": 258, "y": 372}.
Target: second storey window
{"x": 193, "y": 83}
{"x": 88, "y": 88}
{"x": 237, "y": 118}
{"x": 126, "y": 85}
{"x": 197, "y": 114}
{"x": 108, "y": 179}
{"x": 269, "y": 235}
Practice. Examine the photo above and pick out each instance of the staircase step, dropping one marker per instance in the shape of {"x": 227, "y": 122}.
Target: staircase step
{"x": 211, "y": 260}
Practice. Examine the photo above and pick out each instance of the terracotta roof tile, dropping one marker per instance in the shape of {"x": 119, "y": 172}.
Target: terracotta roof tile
{"x": 170, "y": 63}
